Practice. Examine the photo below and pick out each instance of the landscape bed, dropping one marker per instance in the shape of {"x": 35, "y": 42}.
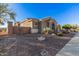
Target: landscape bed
{"x": 29, "y": 45}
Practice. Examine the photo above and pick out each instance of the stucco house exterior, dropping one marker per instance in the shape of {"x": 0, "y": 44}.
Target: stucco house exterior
{"x": 37, "y": 25}
{"x": 49, "y": 22}
{"x": 32, "y": 25}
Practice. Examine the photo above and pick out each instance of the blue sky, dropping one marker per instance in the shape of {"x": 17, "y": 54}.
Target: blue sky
{"x": 63, "y": 13}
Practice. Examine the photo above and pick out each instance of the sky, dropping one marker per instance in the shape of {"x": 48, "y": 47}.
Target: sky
{"x": 63, "y": 13}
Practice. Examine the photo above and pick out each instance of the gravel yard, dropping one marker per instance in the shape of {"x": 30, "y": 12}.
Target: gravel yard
{"x": 29, "y": 45}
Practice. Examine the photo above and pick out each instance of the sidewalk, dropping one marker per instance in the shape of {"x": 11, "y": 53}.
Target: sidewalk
{"x": 71, "y": 48}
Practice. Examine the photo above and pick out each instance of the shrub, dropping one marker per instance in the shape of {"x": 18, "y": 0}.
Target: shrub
{"x": 46, "y": 30}
{"x": 67, "y": 26}
{"x": 60, "y": 34}
{"x": 65, "y": 31}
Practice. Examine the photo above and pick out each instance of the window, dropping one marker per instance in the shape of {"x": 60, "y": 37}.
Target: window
{"x": 47, "y": 24}
{"x": 36, "y": 23}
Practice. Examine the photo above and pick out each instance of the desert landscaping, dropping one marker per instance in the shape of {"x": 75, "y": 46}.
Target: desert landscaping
{"x": 33, "y": 36}
{"x": 29, "y": 45}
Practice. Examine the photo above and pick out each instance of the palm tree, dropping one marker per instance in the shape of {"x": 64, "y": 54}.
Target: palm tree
{"x": 6, "y": 13}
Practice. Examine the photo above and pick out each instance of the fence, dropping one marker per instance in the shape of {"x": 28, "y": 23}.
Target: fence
{"x": 21, "y": 30}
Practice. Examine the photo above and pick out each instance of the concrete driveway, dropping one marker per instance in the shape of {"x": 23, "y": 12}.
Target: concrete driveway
{"x": 71, "y": 48}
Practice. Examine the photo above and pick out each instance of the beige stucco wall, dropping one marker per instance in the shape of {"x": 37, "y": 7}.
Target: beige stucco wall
{"x": 30, "y": 23}
{"x": 27, "y": 23}
{"x": 33, "y": 24}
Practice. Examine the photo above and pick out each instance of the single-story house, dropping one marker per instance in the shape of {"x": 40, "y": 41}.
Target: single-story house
{"x": 35, "y": 25}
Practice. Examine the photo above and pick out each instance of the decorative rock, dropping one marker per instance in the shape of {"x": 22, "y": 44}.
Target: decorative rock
{"x": 52, "y": 34}
{"x": 44, "y": 53}
{"x": 41, "y": 38}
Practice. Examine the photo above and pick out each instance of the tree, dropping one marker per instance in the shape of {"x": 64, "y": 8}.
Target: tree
{"x": 6, "y": 13}
{"x": 67, "y": 26}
